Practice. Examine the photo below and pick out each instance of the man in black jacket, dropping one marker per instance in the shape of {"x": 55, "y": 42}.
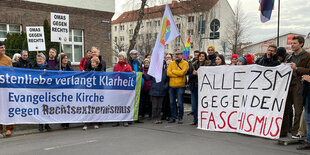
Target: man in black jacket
{"x": 24, "y": 62}
{"x": 95, "y": 52}
{"x": 270, "y": 58}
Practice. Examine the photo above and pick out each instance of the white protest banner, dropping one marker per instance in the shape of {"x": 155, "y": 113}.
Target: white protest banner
{"x": 31, "y": 96}
{"x": 245, "y": 99}
{"x": 35, "y": 38}
{"x": 59, "y": 27}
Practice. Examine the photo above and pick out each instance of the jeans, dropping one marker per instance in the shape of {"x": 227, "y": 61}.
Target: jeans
{"x": 194, "y": 100}
{"x": 176, "y": 92}
{"x": 307, "y": 118}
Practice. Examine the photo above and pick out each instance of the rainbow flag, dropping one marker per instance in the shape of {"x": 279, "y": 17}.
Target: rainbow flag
{"x": 187, "y": 49}
{"x": 266, "y": 7}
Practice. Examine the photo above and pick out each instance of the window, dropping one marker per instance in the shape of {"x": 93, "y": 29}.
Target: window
{"x": 191, "y": 19}
{"x": 122, "y": 27}
{"x": 115, "y": 39}
{"x": 75, "y": 47}
{"x": 202, "y": 27}
{"x": 156, "y": 34}
{"x": 167, "y": 46}
{"x": 148, "y": 24}
{"x": 190, "y": 32}
{"x": 148, "y": 36}
{"x": 115, "y": 27}
{"x": 131, "y": 31}
{"x": 8, "y": 28}
{"x": 157, "y": 23}
{"x": 179, "y": 26}
{"x": 177, "y": 42}
{"x": 140, "y": 37}
{"x": 122, "y": 38}
{"x": 192, "y": 45}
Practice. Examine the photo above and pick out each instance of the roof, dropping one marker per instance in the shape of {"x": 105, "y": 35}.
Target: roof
{"x": 176, "y": 8}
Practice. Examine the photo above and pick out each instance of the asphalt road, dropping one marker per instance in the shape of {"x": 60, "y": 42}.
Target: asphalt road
{"x": 145, "y": 139}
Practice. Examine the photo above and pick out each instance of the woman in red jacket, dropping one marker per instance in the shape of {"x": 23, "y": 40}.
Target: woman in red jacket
{"x": 122, "y": 65}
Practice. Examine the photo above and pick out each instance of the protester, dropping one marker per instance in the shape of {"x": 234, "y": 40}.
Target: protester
{"x": 300, "y": 63}
{"x": 95, "y": 65}
{"x": 166, "y": 104}
{"x": 190, "y": 64}
{"x": 24, "y": 62}
{"x": 5, "y": 61}
{"x": 145, "y": 106}
{"x": 270, "y": 58}
{"x": 176, "y": 71}
{"x": 196, "y": 53}
{"x": 211, "y": 55}
{"x": 241, "y": 61}
{"x": 233, "y": 59}
{"x": 122, "y": 65}
{"x": 95, "y": 52}
{"x": 193, "y": 82}
{"x": 282, "y": 54}
{"x": 84, "y": 59}
{"x": 148, "y": 56}
{"x": 249, "y": 59}
{"x": 41, "y": 64}
{"x": 52, "y": 60}
{"x": 15, "y": 59}
{"x": 306, "y": 94}
{"x": 220, "y": 60}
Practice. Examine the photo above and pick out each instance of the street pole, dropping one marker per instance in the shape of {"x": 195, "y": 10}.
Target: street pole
{"x": 278, "y": 35}
{"x": 200, "y": 34}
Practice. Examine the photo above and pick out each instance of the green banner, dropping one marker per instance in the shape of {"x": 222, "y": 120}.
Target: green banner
{"x": 137, "y": 96}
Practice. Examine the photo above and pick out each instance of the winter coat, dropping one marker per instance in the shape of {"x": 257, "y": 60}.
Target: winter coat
{"x": 23, "y": 63}
{"x": 193, "y": 79}
{"x": 268, "y": 62}
{"x": 147, "y": 84}
{"x": 176, "y": 72}
{"x": 212, "y": 58}
{"x": 83, "y": 62}
{"x": 88, "y": 64}
{"x": 5, "y": 61}
{"x": 68, "y": 67}
{"x": 122, "y": 67}
{"x": 99, "y": 68}
{"x": 130, "y": 62}
{"x": 36, "y": 66}
{"x": 160, "y": 88}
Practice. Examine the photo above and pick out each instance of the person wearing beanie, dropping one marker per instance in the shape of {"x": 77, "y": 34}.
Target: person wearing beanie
{"x": 282, "y": 54}
{"x": 233, "y": 59}
{"x": 5, "y": 61}
{"x": 270, "y": 58}
{"x": 212, "y": 55}
{"x": 145, "y": 106}
{"x": 241, "y": 61}
{"x": 249, "y": 59}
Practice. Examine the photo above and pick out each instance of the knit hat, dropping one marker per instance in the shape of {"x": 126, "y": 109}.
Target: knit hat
{"x": 234, "y": 56}
{"x": 146, "y": 59}
{"x": 1, "y": 43}
{"x": 243, "y": 60}
{"x": 122, "y": 53}
{"x": 133, "y": 52}
{"x": 281, "y": 51}
{"x": 249, "y": 59}
{"x": 178, "y": 51}
{"x": 212, "y": 47}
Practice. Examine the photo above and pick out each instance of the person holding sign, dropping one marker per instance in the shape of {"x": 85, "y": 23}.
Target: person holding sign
{"x": 5, "y": 61}
{"x": 220, "y": 60}
{"x": 176, "y": 71}
{"x": 193, "y": 82}
{"x": 300, "y": 63}
{"x": 95, "y": 52}
{"x": 270, "y": 58}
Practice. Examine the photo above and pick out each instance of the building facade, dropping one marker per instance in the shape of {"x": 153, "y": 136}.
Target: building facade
{"x": 87, "y": 27}
{"x": 260, "y": 48}
{"x": 187, "y": 18}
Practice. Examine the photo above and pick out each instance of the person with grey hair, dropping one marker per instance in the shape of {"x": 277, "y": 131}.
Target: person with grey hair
{"x": 122, "y": 65}
{"x": 95, "y": 52}
{"x": 15, "y": 59}
{"x": 24, "y": 62}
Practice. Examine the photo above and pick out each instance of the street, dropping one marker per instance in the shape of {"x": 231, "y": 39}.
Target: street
{"x": 142, "y": 138}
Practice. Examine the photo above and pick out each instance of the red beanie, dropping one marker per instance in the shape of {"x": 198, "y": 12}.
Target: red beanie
{"x": 249, "y": 59}
{"x": 234, "y": 56}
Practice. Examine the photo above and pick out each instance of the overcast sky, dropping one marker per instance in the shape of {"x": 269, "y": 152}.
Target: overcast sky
{"x": 295, "y": 16}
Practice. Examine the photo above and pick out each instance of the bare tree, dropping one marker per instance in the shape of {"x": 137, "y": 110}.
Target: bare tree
{"x": 237, "y": 30}
{"x": 133, "y": 41}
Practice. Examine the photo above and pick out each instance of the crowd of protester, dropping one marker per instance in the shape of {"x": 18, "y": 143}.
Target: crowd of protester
{"x": 164, "y": 100}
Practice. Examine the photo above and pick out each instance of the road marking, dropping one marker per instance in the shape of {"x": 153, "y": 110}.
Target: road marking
{"x": 68, "y": 145}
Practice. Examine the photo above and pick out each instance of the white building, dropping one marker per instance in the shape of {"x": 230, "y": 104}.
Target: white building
{"x": 284, "y": 41}
{"x": 187, "y": 17}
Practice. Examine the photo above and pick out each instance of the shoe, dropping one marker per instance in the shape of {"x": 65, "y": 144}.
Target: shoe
{"x": 297, "y": 136}
{"x": 193, "y": 123}
{"x": 191, "y": 113}
{"x": 125, "y": 124}
{"x": 180, "y": 121}
{"x": 8, "y": 133}
{"x": 159, "y": 122}
{"x": 41, "y": 127}
{"x": 96, "y": 127}
{"x": 139, "y": 121}
{"x": 172, "y": 121}
{"x": 47, "y": 127}
{"x": 115, "y": 125}
{"x": 155, "y": 122}
{"x": 305, "y": 146}
{"x": 168, "y": 119}
{"x": 84, "y": 128}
